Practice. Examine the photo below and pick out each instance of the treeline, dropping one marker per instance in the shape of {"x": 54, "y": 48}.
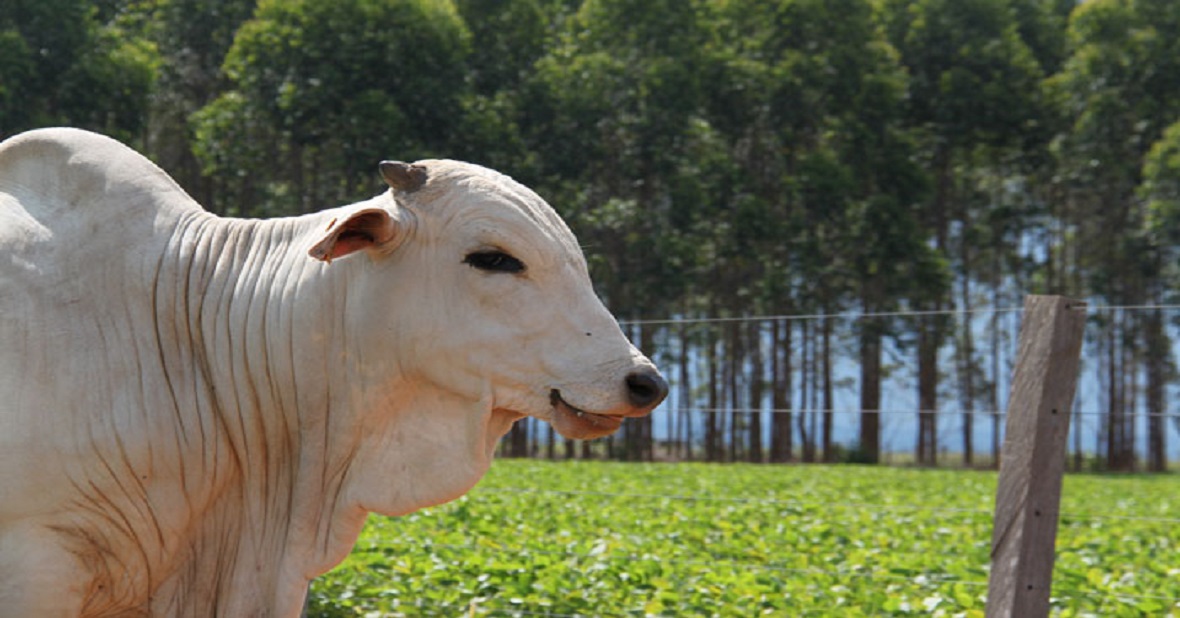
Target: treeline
{"x": 717, "y": 158}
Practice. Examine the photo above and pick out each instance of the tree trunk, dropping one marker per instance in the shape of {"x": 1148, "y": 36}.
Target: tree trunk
{"x": 1121, "y": 457}
{"x": 1102, "y": 445}
{"x": 930, "y": 329}
{"x": 781, "y": 430}
{"x": 813, "y": 406}
{"x": 643, "y": 448}
{"x": 927, "y": 393}
{"x": 967, "y": 364}
{"x": 518, "y": 439}
{"x": 757, "y": 386}
{"x": 806, "y": 438}
{"x": 1156, "y": 345}
{"x": 870, "y": 379}
{"x": 1115, "y": 424}
{"x": 870, "y": 396}
{"x": 711, "y": 417}
{"x": 994, "y": 400}
{"x": 735, "y": 357}
{"x": 1132, "y": 362}
{"x": 671, "y": 430}
{"x": 686, "y": 398}
{"x": 829, "y": 396}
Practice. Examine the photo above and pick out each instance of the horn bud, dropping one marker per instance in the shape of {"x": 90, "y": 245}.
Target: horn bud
{"x": 405, "y": 177}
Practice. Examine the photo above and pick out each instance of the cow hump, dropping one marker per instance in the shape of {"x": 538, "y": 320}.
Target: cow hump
{"x": 63, "y": 168}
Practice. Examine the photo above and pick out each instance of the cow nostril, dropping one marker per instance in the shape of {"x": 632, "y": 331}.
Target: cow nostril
{"x": 646, "y": 389}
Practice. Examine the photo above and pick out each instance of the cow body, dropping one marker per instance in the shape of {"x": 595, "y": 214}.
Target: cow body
{"x": 196, "y": 416}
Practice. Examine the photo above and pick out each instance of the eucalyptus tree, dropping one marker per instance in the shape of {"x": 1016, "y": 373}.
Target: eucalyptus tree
{"x": 975, "y": 87}
{"x": 1161, "y": 192}
{"x": 881, "y": 250}
{"x": 613, "y": 122}
{"x": 807, "y": 96}
{"x": 1120, "y": 90}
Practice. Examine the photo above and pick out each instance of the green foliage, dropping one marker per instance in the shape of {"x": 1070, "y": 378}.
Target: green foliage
{"x": 621, "y": 87}
{"x": 1161, "y": 186}
{"x": 583, "y": 538}
{"x": 1119, "y": 86}
{"x": 195, "y": 35}
{"x": 510, "y": 36}
{"x": 1161, "y": 190}
{"x": 107, "y": 90}
{"x": 235, "y": 144}
{"x": 60, "y": 65}
{"x": 380, "y": 68}
{"x": 16, "y": 70}
{"x": 974, "y": 80}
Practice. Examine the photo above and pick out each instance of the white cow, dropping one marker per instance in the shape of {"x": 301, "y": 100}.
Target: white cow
{"x": 196, "y": 416}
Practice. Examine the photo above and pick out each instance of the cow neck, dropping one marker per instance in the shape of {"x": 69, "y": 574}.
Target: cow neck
{"x": 270, "y": 518}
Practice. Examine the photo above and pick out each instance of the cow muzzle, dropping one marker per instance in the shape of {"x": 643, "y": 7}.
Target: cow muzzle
{"x": 645, "y": 390}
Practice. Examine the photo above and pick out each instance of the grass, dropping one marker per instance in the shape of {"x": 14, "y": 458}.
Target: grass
{"x": 610, "y": 539}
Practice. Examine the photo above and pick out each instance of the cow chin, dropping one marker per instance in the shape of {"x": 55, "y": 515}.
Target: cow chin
{"x": 577, "y": 424}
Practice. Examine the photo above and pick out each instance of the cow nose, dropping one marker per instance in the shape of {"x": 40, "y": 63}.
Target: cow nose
{"x": 646, "y": 389}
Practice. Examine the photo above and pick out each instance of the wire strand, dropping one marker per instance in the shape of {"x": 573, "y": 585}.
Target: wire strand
{"x": 1161, "y": 307}
{"x": 888, "y": 412}
{"x": 851, "y": 315}
{"x": 863, "y": 315}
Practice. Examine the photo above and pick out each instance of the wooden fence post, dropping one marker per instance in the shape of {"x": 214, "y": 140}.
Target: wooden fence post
{"x": 1033, "y": 458}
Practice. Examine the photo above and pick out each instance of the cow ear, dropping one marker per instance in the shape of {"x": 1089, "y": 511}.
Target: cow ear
{"x": 371, "y": 228}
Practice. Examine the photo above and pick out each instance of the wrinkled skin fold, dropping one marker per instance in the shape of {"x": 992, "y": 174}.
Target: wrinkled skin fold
{"x": 198, "y": 413}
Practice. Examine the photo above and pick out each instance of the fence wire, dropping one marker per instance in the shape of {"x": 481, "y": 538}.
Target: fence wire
{"x": 897, "y": 412}
{"x": 865, "y": 315}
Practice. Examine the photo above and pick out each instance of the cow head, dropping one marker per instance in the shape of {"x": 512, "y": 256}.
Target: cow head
{"x": 483, "y": 292}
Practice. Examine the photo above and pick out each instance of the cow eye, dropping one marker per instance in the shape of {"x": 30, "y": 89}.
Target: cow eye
{"x": 494, "y": 261}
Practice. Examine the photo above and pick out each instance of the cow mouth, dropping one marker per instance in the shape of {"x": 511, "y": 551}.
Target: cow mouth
{"x": 578, "y": 424}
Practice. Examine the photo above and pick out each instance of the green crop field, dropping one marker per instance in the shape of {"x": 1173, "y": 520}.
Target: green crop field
{"x": 611, "y": 539}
